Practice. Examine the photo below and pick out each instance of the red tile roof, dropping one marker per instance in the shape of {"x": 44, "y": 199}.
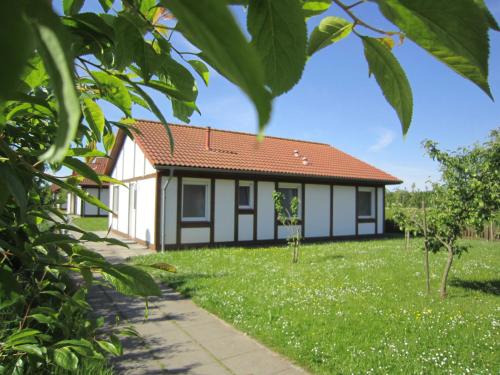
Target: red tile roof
{"x": 230, "y": 150}
{"x": 98, "y": 164}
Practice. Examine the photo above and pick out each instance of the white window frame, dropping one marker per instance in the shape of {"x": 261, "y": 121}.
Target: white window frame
{"x": 201, "y": 182}
{"x": 299, "y": 193}
{"x": 250, "y": 200}
{"x": 370, "y": 190}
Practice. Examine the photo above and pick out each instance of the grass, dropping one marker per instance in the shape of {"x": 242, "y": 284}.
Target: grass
{"x": 353, "y": 307}
{"x": 91, "y": 223}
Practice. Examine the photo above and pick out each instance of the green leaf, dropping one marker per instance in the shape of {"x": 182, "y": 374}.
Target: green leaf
{"x": 113, "y": 89}
{"x": 314, "y": 7}
{"x": 92, "y": 237}
{"x": 71, "y": 188}
{"x": 210, "y": 26}
{"x": 106, "y": 4}
{"x": 108, "y": 140}
{"x": 85, "y": 152}
{"x": 71, "y": 7}
{"x": 66, "y": 359}
{"x": 201, "y": 69}
{"x": 16, "y": 44}
{"x": 180, "y": 77}
{"x": 31, "y": 349}
{"x": 24, "y": 336}
{"x": 164, "y": 267}
{"x": 492, "y": 22}
{"x": 109, "y": 347}
{"x": 10, "y": 290}
{"x": 131, "y": 281}
{"x": 81, "y": 168}
{"x": 455, "y": 32}
{"x": 279, "y": 35}
{"x": 94, "y": 116}
{"x": 329, "y": 31}
{"x": 14, "y": 185}
{"x": 49, "y": 238}
{"x": 391, "y": 78}
{"x": 152, "y": 105}
{"x": 54, "y": 50}
{"x": 183, "y": 110}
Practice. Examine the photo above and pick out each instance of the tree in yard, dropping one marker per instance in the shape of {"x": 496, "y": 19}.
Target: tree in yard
{"x": 58, "y": 69}
{"x": 288, "y": 215}
{"x": 469, "y": 195}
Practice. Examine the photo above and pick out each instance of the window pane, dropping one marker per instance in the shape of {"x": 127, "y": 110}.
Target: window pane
{"x": 244, "y": 196}
{"x": 288, "y": 195}
{"x": 193, "y": 204}
{"x": 364, "y": 203}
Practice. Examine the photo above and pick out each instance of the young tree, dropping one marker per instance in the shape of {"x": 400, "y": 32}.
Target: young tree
{"x": 469, "y": 195}
{"x": 288, "y": 215}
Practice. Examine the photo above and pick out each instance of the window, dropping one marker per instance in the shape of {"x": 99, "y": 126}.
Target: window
{"x": 365, "y": 204}
{"x": 288, "y": 194}
{"x": 245, "y": 199}
{"x": 194, "y": 201}
{"x": 116, "y": 190}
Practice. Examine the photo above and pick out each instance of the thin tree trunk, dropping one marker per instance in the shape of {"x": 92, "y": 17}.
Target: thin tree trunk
{"x": 426, "y": 251}
{"x": 492, "y": 235}
{"x": 444, "y": 280}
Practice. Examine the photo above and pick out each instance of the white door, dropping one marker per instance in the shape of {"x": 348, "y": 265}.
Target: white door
{"x": 132, "y": 209}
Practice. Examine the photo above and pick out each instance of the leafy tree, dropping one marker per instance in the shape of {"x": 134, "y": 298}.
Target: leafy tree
{"x": 56, "y": 72}
{"x": 468, "y": 195}
{"x": 288, "y": 215}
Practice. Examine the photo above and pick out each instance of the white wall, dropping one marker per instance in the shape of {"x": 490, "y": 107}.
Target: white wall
{"x": 245, "y": 227}
{"x": 224, "y": 210}
{"x": 366, "y": 228}
{"x": 317, "y": 215}
{"x": 145, "y": 212}
{"x": 90, "y": 209}
{"x": 284, "y": 231}
{"x": 380, "y": 212}
{"x": 265, "y": 211}
{"x": 128, "y": 152}
{"x": 195, "y": 235}
{"x": 123, "y": 209}
{"x": 170, "y": 201}
{"x": 78, "y": 208}
{"x": 344, "y": 205}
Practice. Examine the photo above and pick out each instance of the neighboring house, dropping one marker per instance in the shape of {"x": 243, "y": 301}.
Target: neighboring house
{"x": 76, "y": 206}
{"x": 216, "y": 188}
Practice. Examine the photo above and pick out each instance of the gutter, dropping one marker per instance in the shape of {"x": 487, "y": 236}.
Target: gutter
{"x": 163, "y": 193}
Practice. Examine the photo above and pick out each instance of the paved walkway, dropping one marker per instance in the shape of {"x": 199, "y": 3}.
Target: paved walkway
{"x": 180, "y": 337}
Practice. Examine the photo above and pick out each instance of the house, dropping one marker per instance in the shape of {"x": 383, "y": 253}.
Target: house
{"x": 216, "y": 188}
{"x": 76, "y": 206}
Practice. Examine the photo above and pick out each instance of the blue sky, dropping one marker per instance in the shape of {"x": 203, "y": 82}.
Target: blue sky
{"x": 335, "y": 102}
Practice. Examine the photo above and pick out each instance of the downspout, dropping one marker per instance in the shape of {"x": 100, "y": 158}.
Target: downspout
{"x": 163, "y": 192}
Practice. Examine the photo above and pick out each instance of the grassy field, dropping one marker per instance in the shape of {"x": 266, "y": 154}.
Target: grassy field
{"x": 91, "y": 223}
{"x": 353, "y": 307}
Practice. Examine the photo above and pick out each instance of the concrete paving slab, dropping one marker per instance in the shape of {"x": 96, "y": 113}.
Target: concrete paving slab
{"x": 179, "y": 337}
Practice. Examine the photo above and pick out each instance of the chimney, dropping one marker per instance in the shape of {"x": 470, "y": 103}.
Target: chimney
{"x": 207, "y": 139}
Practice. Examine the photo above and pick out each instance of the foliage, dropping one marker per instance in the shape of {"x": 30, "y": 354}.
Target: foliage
{"x": 59, "y": 69}
{"x": 354, "y": 307}
{"x": 468, "y": 195}
{"x": 288, "y": 215}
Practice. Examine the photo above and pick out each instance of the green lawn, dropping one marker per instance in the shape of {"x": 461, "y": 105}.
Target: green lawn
{"x": 91, "y": 223}
{"x": 353, "y": 307}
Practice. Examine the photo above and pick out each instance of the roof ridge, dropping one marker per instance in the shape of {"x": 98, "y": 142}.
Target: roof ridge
{"x": 235, "y": 132}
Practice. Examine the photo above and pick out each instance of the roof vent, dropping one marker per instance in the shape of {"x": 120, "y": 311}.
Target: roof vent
{"x": 305, "y": 161}
{"x": 207, "y": 139}
{"x": 296, "y": 153}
